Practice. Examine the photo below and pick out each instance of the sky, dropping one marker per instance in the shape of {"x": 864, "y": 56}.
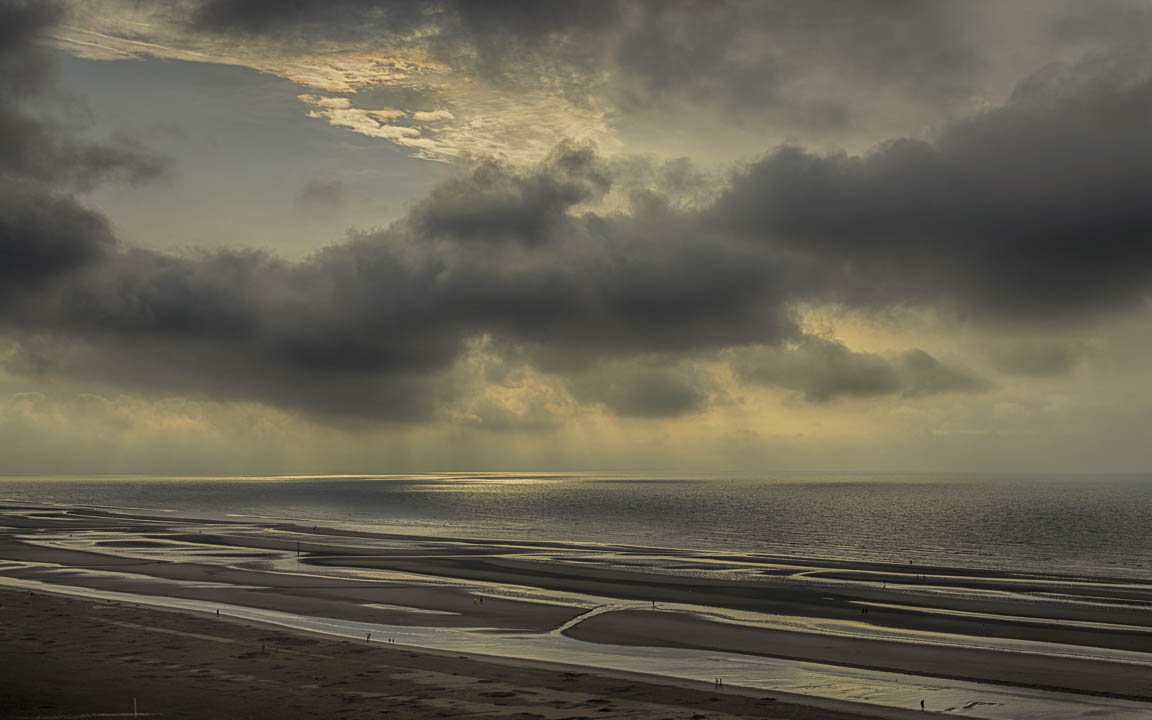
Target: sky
{"x": 378, "y": 236}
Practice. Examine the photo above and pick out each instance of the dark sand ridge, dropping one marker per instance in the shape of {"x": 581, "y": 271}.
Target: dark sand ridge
{"x": 62, "y": 518}
{"x": 800, "y": 599}
{"x": 419, "y": 548}
{"x": 442, "y": 559}
{"x": 439, "y": 560}
{"x": 1110, "y": 590}
{"x": 767, "y": 559}
{"x": 655, "y": 629}
{"x": 286, "y": 592}
{"x": 1022, "y": 668}
{"x": 185, "y": 667}
{"x": 785, "y": 597}
{"x": 858, "y": 569}
{"x": 322, "y": 553}
{"x": 743, "y": 594}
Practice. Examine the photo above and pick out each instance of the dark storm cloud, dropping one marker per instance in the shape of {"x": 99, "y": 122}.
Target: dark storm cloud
{"x": 651, "y": 396}
{"x": 44, "y": 232}
{"x": 321, "y": 194}
{"x": 1037, "y": 210}
{"x": 1037, "y": 359}
{"x": 42, "y": 236}
{"x": 24, "y": 68}
{"x": 530, "y": 20}
{"x": 644, "y": 391}
{"x": 500, "y": 35}
{"x": 825, "y": 370}
{"x": 492, "y": 204}
{"x": 744, "y": 55}
{"x": 925, "y": 375}
{"x": 1104, "y": 24}
{"x": 822, "y": 370}
{"x": 741, "y": 57}
{"x": 35, "y": 146}
{"x": 314, "y": 16}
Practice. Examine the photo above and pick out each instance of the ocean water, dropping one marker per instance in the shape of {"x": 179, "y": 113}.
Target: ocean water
{"x": 1079, "y": 524}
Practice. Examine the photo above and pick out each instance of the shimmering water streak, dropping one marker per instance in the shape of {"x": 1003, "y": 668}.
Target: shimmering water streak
{"x": 873, "y": 688}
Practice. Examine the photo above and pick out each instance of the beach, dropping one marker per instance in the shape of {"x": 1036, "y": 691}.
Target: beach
{"x": 241, "y": 599}
{"x": 74, "y": 658}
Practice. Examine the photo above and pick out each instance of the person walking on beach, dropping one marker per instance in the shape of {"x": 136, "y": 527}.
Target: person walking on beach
{"x": 921, "y": 705}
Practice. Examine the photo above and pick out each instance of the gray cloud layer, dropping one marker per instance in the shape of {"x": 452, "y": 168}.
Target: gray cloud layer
{"x": 741, "y": 57}
{"x": 1033, "y": 212}
{"x": 825, "y": 370}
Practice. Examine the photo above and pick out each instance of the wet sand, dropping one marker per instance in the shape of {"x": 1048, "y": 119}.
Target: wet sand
{"x": 75, "y": 658}
{"x": 827, "y": 611}
{"x": 285, "y": 592}
{"x": 655, "y": 629}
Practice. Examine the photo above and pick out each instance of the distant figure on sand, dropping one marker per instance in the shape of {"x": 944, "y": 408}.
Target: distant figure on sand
{"x": 921, "y": 705}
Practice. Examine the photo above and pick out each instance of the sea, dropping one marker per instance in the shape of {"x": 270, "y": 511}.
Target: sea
{"x": 1079, "y": 524}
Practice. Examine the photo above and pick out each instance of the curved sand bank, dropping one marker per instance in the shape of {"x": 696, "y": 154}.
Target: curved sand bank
{"x": 660, "y": 629}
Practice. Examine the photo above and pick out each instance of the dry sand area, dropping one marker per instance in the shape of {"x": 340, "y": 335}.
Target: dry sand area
{"x": 68, "y": 658}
